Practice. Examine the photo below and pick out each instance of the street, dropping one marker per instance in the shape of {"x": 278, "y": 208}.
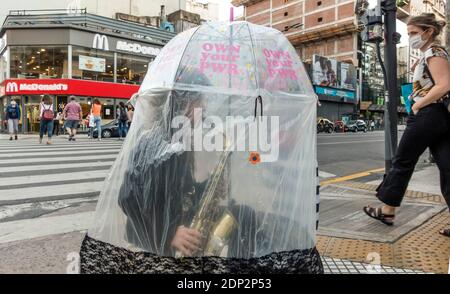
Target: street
{"x": 49, "y": 195}
{"x": 342, "y": 154}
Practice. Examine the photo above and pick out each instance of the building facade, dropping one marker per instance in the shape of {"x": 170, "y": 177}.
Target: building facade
{"x": 208, "y": 10}
{"x": 106, "y": 8}
{"x": 90, "y": 57}
{"x": 328, "y": 28}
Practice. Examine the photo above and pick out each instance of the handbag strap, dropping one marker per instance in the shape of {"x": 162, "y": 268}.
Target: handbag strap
{"x": 428, "y": 72}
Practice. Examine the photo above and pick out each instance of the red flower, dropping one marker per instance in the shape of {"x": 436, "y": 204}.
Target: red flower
{"x": 255, "y": 158}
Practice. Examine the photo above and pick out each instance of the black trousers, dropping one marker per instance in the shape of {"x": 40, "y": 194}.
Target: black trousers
{"x": 429, "y": 128}
{"x": 56, "y": 127}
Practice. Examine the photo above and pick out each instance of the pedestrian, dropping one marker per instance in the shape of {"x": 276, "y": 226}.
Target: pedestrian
{"x": 46, "y": 117}
{"x": 13, "y": 117}
{"x": 72, "y": 114}
{"x": 56, "y": 127}
{"x": 130, "y": 114}
{"x": 122, "y": 117}
{"x": 96, "y": 112}
{"x": 429, "y": 123}
{"x": 87, "y": 122}
{"x": 372, "y": 125}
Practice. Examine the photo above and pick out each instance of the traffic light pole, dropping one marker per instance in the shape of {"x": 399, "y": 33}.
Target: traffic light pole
{"x": 391, "y": 100}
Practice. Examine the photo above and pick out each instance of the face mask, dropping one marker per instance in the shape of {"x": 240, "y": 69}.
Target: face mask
{"x": 13, "y": 103}
{"x": 416, "y": 41}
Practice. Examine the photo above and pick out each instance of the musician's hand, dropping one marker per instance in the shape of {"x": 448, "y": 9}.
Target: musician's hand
{"x": 186, "y": 240}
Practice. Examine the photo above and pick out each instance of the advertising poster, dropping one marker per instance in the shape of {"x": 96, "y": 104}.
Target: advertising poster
{"x": 92, "y": 63}
{"x": 324, "y": 72}
{"x": 348, "y": 76}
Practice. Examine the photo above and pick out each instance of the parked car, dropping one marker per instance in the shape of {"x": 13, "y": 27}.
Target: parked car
{"x": 357, "y": 126}
{"x": 109, "y": 130}
{"x": 324, "y": 125}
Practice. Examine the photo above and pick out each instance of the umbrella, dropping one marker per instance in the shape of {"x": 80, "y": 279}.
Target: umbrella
{"x": 223, "y": 141}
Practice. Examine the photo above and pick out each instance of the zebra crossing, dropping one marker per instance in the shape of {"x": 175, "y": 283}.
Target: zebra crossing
{"x": 48, "y": 192}
{"x": 51, "y": 189}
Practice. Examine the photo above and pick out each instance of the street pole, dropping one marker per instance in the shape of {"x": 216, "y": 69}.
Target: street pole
{"x": 391, "y": 93}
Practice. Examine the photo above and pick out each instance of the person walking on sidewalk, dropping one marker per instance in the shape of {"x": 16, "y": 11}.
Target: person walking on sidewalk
{"x": 96, "y": 112}
{"x": 13, "y": 117}
{"x": 56, "y": 128}
{"x": 428, "y": 124}
{"x": 122, "y": 117}
{"x": 130, "y": 114}
{"x": 46, "y": 116}
{"x": 73, "y": 115}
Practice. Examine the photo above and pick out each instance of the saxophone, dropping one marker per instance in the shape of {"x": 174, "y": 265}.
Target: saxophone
{"x": 215, "y": 226}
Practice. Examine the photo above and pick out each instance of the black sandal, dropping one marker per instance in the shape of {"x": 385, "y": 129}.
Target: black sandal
{"x": 377, "y": 213}
{"x": 445, "y": 232}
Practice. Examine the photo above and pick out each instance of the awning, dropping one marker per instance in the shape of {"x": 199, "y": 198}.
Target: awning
{"x": 67, "y": 87}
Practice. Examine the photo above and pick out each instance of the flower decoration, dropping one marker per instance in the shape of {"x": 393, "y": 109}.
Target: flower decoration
{"x": 255, "y": 158}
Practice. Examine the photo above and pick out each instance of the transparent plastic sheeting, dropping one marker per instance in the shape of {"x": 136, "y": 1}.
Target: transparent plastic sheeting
{"x": 193, "y": 158}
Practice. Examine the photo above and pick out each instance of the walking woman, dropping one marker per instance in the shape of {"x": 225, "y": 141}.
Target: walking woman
{"x": 97, "y": 113}
{"x": 46, "y": 117}
{"x": 429, "y": 123}
{"x": 122, "y": 117}
{"x": 130, "y": 114}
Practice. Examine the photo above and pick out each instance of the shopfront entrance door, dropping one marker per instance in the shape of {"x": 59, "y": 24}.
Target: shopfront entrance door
{"x": 31, "y": 104}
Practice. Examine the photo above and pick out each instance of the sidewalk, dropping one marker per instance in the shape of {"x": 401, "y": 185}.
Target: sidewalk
{"x": 413, "y": 243}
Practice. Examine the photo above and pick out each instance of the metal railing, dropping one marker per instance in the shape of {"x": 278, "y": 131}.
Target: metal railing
{"x": 51, "y": 11}
{"x": 56, "y": 18}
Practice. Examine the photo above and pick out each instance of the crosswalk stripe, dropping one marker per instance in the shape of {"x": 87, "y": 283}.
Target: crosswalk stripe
{"x": 45, "y": 226}
{"x": 15, "y": 161}
{"x": 21, "y": 211}
{"x": 323, "y": 174}
{"x": 57, "y": 146}
{"x": 37, "y": 179}
{"x": 35, "y": 152}
{"x": 62, "y": 150}
{"x": 51, "y": 191}
{"x": 60, "y": 171}
{"x": 87, "y": 196}
{"x": 38, "y": 168}
{"x": 57, "y": 155}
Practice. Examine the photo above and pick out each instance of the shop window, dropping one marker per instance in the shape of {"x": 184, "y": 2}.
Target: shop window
{"x": 131, "y": 69}
{"x": 38, "y": 62}
{"x": 92, "y": 64}
{"x": 3, "y": 66}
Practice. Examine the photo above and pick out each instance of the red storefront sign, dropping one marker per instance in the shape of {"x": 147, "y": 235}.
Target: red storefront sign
{"x": 67, "y": 87}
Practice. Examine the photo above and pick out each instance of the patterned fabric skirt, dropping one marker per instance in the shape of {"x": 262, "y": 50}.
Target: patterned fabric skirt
{"x": 97, "y": 257}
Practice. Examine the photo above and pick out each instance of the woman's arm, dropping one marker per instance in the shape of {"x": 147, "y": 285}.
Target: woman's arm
{"x": 440, "y": 71}
{"x": 41, "y": 110}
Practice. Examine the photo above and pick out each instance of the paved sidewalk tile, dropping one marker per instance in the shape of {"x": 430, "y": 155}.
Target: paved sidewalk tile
{"x": 340, "y": 266}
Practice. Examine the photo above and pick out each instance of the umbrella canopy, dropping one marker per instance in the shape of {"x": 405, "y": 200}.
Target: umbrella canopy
{"x": 223, "y": 140}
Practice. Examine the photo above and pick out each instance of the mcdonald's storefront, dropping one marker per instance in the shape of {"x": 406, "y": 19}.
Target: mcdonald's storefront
{"x": 64, "y": 59}
{"x": 28, "y": 94}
